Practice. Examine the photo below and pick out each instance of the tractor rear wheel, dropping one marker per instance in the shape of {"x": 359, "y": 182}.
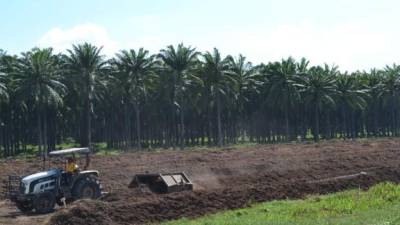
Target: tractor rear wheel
{"x": 24, "y": 206}
{"x": 44, "y": 202}
{"x": 88, "y": 187}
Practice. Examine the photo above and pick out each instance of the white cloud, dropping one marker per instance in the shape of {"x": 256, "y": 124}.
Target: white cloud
{"x": 62, "y": 39}
{"x": 352, "y": 45}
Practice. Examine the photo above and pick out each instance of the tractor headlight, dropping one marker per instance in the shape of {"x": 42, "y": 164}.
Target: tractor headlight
{"x": 22, "y": 187}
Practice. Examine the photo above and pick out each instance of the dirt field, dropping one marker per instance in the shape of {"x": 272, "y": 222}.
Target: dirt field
{"x": 224, "y": 179}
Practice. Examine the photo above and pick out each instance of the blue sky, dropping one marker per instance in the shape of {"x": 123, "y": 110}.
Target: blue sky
{"x": 353, "y": 34}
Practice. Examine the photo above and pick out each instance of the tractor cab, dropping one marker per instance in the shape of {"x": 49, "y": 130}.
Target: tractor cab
{"x": 75, "y": 156}
{"x": 41, "y": 191}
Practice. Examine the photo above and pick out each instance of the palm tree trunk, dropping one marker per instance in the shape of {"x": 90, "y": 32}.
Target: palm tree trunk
{"x": 88, "y": 125}
{"x": 328, "y": 126}
{"x": 375, "y": 113}
{"x": 173, "y": 131}
{"x": 393, "y": 125}
{"x": 316, "y": 132}
{"x": 138, "y": 131}
{"x": 45, "y": 141}
{"x": 344, "y": 122}
{"x": 182, "y": 114}
{"x": 126, "y": 125}
{"x": 219, "y": 120}
{"x": 209, "y": 123}
{"x": 40, "y": 134}
{"x": 287, "y": 124}
{"x": 86, "y": 135}
{"x": 287, "y": 118}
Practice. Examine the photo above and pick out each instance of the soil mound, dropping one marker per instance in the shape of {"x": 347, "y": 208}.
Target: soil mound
{"x": 156, "y": 208}
{"x": 83, "y": 212}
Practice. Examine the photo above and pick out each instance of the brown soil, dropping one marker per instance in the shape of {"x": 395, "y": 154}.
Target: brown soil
{"x": 224, "y": 179}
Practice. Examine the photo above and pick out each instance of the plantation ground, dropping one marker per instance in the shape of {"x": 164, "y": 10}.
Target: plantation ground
{"x": 225, "y": 179}
{"x": 378, "y": 205}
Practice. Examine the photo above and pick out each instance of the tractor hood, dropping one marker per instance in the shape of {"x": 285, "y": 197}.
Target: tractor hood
{"x": 28, "y": 179}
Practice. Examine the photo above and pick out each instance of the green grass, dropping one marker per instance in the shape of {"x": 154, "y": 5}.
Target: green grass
{"x": 206, "y": 148}
{"x": 101, "y": 147}
{"x": 380, "y": 205}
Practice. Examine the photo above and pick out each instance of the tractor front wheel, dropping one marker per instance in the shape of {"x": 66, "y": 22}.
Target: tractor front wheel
{"x": 24, "y": 206}
{"x": 44, "y": 202}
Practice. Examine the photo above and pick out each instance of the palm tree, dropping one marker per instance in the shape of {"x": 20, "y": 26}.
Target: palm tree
{"x": 3, "y": 78}
{"x": 318, "y": 87}
{"x": 181, "y": 63}
{"x": 350, "y": 97}
{"x": 249, "y": 81}
{"x": 375, "y": 88}
{"x": 85, "y": 62}
{"x": 3, "y": 88}
{"x": 283, "y": 91}
{"x": 37, "y": 81}
{"x": 219, "y": 82}
{"x": 247, "y": 78}
{"x": 135, "y": 75}
{"x": 391, "y": 92}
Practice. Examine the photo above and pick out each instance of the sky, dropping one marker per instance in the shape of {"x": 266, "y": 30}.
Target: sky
{"x": 353, "y": 34}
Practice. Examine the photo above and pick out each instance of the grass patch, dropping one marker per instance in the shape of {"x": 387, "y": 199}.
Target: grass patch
{"x": 105, "y": 152}
{"x": 380, "y": 205}
{"x": 206, "y": 147}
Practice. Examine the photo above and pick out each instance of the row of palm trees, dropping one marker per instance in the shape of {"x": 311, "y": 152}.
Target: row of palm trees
{"x": 182, "y": 97}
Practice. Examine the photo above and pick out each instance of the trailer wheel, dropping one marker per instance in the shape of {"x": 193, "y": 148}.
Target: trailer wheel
{"x": 44, "y": 202}
{"x": 24, "y": 206}
{"x": 88, "y": 187}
